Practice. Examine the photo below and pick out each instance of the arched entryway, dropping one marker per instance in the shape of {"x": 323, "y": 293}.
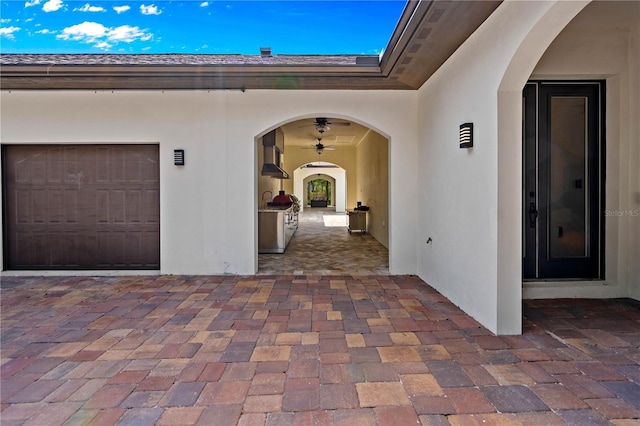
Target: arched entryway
{"x": 319, "y": 191}
{"x": 572, "y": 45}
{"x": 351, "y": 167}
{"x": 336, "y": 177}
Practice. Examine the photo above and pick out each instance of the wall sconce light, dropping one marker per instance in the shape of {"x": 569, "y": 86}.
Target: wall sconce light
{"x": 178, "y": 157}
{"x": 466, "y": 135}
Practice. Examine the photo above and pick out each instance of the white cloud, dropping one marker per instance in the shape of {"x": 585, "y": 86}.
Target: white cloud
{"x": 121, "y": 9}
{"x": 45, "y": 31}
{"x": 204, "y": 4}
{"x": 127, "y": 34}
{"x": 103, "y": 37}
{"x": 87, "y": 32}
{"x": 88, "y": 8}
{"x": 8, "y": 32}
{"x": 103, "y": 45}
{"x": 32, "y": 3}
{"x": 5, "y": 21}
{"x": 52, "y": 5}
{"x": 150, "y": 10}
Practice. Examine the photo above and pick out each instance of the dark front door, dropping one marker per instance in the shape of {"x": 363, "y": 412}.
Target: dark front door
{"x": 563, "y": 187}
{"x": 81, "y": 207}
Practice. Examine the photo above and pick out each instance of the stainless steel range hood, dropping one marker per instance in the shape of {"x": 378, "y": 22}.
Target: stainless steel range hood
{"x": 274, "y": 171}
{"x": 271, "y": 166}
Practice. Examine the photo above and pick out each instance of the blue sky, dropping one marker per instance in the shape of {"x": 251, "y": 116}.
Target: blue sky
{"x": 213, "y": 27}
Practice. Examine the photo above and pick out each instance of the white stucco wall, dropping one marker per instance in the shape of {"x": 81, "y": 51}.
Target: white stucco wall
{"x": 470, "y": 198}
{"x": 634, "y": 158}
{"x": 208, "y": 207}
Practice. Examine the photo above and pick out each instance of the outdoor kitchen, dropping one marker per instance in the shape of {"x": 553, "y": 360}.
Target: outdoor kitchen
{"x": 277, "y": 222}
{"x": 277, "y": 216}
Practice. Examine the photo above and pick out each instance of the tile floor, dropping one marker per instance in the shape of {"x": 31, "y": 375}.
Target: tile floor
{"x": 302, "y": 350}
{"x": 323, "y": 246}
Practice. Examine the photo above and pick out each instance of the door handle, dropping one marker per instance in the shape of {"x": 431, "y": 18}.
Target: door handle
{"x": 533, "y": 215}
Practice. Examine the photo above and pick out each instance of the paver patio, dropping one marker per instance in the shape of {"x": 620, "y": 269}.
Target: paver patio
{"x": 280, "y": 350}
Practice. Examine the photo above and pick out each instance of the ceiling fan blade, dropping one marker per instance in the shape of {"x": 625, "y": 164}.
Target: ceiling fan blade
{"x": 321, "y": 121}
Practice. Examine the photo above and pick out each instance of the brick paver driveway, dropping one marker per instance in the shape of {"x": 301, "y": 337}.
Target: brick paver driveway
{"x": 280, "y": 350}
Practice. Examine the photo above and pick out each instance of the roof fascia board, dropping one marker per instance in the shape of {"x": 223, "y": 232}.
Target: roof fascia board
{"x": 184, "y": 70}
{"x": 409, "y": 22}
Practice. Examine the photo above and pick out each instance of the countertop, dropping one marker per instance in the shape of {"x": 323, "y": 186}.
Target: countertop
{"x": 274, "y": 209}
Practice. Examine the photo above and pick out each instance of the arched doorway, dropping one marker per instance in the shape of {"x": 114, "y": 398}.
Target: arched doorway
{"x": 570, "y": 43}
{"x": 580, "y": 55}
{"x": 318, "y": 191}
{"x": 351, "y": 166}
{"x": 338, "y": 180}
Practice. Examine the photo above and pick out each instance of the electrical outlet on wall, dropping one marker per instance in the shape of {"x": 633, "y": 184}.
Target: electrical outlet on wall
{"x": 383, "y": 223}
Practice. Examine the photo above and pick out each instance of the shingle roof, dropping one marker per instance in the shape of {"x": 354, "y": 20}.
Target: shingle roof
{"x": 182, "y": 59}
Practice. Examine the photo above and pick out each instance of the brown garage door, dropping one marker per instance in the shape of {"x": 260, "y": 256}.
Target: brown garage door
{"x": 81, "y": 207}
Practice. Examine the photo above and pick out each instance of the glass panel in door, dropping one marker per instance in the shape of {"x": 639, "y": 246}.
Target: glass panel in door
{"x": 568, "y": 215}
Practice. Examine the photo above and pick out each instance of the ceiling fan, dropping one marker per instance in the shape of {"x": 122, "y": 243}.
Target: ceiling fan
{"x": 320, "y": 147}
{"x": 322, "y": 124}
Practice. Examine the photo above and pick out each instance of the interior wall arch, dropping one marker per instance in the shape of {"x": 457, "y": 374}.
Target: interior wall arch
{"x": 338, "y": 174}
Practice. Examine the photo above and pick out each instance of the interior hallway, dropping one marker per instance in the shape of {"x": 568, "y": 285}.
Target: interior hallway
{"x": 323, "y": 246}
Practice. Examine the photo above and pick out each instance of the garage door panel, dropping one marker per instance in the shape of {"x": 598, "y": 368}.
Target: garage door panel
{"x": 70, "y": 248}
{"x": 38, "y": 169}
{"x": 116, "y": 165}
{"x": 149, "y": 168}
{"x": 56, "y": 165}
{"x": 117, "y": 248}
{"x": 134, "y": 207}
{"x": 133, "y": 169}
{"x": 22, "y": 206}
{"x": 22, "y": 246}
{"x": 152, "y": 207}
{"x": 117, "y": 206}
{"x": 21, "y": 171}
{"x": 71, "y": 206}
{"x": 56, "y": 206}
{"x": 103, "y": 246}
{"x": 39, "y": 205}
{"x": 102, "y": 165}
{"x": 57, "y": 249}
{"x": 134, "y": 247}
{"x": 40, "y": 249}
{"x": 71, "y": 169}
{"x": 148, "y": 256}
{"x": 96, "y": 214}
{"x": 102, "y": 206}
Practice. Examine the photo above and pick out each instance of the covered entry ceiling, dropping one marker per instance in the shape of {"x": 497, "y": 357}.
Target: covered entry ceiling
{"x": 81, "y": 207}
{"x": 302, "y": 133}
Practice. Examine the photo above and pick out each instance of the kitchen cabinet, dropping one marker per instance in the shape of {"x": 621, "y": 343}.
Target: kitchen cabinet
{"x": 276, "y": 226}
